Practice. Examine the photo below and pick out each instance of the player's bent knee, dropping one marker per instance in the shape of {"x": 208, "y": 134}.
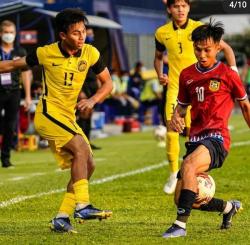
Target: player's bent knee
{"x": 187, "y": 168}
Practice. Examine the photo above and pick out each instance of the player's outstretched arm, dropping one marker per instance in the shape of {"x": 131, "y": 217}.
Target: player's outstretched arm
{"x": 11, "y": 65}
{"x": 105, "y": 89}
{"x": 106, "y": 85}
{"x": 245, "y": 108}
{"x": 229, "y": 53}
{"x": 177, "y": 122}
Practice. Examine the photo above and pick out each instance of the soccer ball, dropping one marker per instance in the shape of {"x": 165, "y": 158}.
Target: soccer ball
{"x": 160, "y": 133}
{"x": 206, "y": 189}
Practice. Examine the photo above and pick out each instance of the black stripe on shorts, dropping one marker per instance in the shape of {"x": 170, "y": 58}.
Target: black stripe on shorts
{"x": 54, "y": 120}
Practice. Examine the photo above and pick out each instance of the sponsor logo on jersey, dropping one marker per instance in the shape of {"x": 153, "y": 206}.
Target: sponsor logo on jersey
{"x": 214, "y": 85}
{"x": 82, "y": 65}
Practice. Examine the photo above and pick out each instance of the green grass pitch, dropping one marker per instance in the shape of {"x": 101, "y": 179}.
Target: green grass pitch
{"x": 30, "y": 195}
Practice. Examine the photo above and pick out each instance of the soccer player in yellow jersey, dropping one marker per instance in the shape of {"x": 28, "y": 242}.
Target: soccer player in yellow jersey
{"x": 65, "y": 65}
{"x": 175, "y": 37}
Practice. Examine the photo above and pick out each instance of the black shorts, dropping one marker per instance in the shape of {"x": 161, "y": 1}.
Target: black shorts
{"x": 216, "y": 150}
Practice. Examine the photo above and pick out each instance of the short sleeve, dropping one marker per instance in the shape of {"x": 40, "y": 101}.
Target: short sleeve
{"x": 198, "y": 23}
{"x": 158, "y": 46}
{"x": 32, "y": 59}
{"x": 183, "y": 98}
{"x": 96, "y": 63}
{"x": 158, "y": 42}
{"x": 22, "y": 52}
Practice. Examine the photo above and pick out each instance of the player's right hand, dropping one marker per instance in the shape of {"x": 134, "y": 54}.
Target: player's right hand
{"x": 163, "y": 79}
{"x": 85, "y": 105}
{"x": 177, "y": 124}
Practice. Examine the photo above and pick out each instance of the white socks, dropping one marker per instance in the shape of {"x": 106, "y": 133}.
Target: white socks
{"x": 227, "y": 208}
{"x": 181, "y": 224}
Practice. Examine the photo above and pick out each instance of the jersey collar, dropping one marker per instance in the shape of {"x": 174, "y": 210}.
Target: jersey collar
{"x": 65, "y": 54}
{"x": 205, "y": 70}
{"x": 182, "y": 27}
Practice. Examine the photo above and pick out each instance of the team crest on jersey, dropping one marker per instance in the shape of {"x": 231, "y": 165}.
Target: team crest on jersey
{"x": 82, "y": 65}
{"x": 214, "y": 85}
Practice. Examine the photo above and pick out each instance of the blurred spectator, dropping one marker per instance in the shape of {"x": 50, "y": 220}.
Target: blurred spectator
{"x": 89, "y": 88}
{"x": 123, "y": 103}
{"x": 10, "y": 88}
{"x": 150, "y": 98}
{"x": 136, "y": 82}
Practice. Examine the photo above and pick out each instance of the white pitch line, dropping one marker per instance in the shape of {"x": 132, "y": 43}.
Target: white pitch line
{"x": 241, "y": 131}
{"x": 94, "y": 182}
{"x": 240, "y": 143}
{"x": 17, "y": 178}
{"x": 100, "y": 181}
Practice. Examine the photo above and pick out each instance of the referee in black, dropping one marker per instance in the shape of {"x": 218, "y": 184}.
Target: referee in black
{"x": 10, "y": 89}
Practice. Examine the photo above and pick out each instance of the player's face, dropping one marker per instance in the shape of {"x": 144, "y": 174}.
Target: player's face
{"x": 75, "y": 36}
{"x": 179, "y": 11}
{"x": 206, "y": 52}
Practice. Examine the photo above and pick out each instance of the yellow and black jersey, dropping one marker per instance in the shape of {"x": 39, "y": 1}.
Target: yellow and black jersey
{"x": 63, "y": 75}
{"x": 177, "y": 41}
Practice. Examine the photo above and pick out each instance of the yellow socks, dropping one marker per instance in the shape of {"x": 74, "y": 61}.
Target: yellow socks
{"x": 173, "y": 151}
{"x": 68, "y": 205}
{"x": 81, "y": 190}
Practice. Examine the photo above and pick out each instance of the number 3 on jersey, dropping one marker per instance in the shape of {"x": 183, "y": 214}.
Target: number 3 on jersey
{"x": 180, "y": 48}
{"x": 68, "y": 78}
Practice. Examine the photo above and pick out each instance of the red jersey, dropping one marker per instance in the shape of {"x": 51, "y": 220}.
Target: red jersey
{"x": 211, "y": 93}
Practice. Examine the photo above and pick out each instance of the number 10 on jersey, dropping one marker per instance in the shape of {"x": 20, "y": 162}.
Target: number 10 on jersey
{"x": 200, "y": 93}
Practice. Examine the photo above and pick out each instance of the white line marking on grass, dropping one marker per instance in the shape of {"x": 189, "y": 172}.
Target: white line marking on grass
{"x": 241, "y": 131}
{"x": 17, "y": 178}
{"x": 23, "y": 198}
{"x": 51, "y": 159}
{"x": 94, "y": 182}
{"x": 241, "y": 143}
{"x": 134, "y": 172}
{"x": 100, "y": 181}
{"x": 37, "y": 174}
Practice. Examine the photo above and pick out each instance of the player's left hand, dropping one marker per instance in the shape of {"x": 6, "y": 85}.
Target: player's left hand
{"x": 27, "y": 103}
{"x": 85, "y": 104}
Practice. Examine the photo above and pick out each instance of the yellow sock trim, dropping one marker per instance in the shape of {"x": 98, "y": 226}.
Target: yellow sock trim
{"x": 68, "y": 204}
{"x": 173, "y": 150}
{"x": 81, "y": 190}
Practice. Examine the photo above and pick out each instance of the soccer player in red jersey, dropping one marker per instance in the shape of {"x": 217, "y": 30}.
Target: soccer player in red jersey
{"x": 211, "y": 88}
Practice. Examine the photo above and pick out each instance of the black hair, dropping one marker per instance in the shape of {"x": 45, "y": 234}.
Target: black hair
{"x": 170, "y": 2}
{"x": 69, "y": 16}
{"x": 213, "y": 30}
